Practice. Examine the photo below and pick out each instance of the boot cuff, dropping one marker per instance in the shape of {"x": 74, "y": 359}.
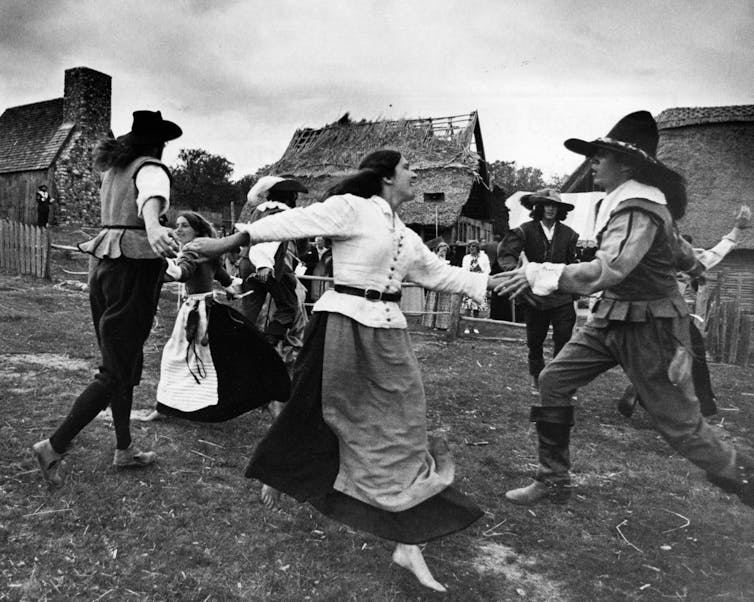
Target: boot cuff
{"x": 552, "y": 414}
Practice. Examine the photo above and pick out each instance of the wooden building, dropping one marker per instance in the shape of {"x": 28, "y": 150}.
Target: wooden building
{"x": 447, "y": 153}
{"x": 51, "y": 142}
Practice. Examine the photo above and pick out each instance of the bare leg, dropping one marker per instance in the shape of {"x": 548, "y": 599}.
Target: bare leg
{"x": 410, "y": 558}
{"x": 270, "y": 497}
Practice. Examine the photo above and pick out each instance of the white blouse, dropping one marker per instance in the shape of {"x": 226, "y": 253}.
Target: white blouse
{"x": 372, "y": 249}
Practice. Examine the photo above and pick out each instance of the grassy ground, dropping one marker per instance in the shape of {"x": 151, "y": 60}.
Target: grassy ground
{"x": 644, "y": 524}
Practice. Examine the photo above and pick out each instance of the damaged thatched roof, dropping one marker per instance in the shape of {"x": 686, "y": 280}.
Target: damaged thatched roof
{"x": 446, "y": 153}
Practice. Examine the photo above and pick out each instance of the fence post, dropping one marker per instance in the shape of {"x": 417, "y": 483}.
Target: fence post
{"x": 455, "y": 316}
{"x": 46, "y": 248}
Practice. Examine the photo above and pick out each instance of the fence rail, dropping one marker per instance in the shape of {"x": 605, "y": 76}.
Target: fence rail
{"x": 24, "y": 249}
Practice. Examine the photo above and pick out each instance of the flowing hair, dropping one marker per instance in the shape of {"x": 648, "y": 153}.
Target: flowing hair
{"x": 112, "y": 152}
{"x": 367, "y": 182}
{"x": 670, "y": 183}
{"x": 200, "y": 225}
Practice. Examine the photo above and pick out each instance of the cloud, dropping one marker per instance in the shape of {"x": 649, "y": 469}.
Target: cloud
{"x": 241, "y": 76}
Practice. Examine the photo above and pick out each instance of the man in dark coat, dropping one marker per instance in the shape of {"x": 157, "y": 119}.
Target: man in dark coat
{"x": 543, "y": 239}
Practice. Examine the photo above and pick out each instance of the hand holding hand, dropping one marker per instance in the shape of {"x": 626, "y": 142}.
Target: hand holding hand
{"x": 263, "y": 274}
{"x": 513, "y": 283}
{"x": 208, "y": 247}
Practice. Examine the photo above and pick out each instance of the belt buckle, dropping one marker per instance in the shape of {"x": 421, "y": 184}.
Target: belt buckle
{"x": 372, "y": 294}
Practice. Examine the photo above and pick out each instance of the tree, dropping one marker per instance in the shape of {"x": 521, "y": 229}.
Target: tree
{"x": 510, "y": 177}
{"x": 202, "y": 180}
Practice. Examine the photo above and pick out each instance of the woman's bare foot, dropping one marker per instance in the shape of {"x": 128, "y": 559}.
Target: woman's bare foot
{"x": 151, "y": 417}
{"x": 275, "y": 408}
{"x": 269, "y": 496}
{"x": 410, "y": 557}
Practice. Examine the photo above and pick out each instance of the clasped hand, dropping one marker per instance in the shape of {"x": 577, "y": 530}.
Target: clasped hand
{"x": 208, "y": 247}
{"x": 512, "y": 284}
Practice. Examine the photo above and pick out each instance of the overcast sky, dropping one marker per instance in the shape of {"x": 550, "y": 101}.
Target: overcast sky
{"x": 241, "y": 76}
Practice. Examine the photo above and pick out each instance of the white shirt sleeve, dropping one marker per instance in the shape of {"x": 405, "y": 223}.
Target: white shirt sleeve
{"x": 711, "y": 257}
{"x": 152, "y": 181}
{"x": 262, "y": 255}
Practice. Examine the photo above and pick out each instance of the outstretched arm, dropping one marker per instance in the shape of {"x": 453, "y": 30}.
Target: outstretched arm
{"x": 626, "y": 240}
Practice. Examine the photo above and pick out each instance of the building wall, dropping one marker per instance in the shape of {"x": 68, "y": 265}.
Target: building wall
{"x": 87, "y": 103}
{"x": 717, "y": 161}
{"x": 18, "y": 195}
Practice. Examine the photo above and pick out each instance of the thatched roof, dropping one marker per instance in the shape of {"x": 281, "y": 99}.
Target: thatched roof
{"x": 683, "y": 116}
{"x": 446, "y": 153}
{"x": 713, "y": 147}
{"x": 32, "y": 135}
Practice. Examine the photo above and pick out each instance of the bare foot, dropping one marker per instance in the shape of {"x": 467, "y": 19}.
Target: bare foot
{"x": 270, "y": 497}
{"x": 275, "y": 408}
{"x": 151, "y": 417}
{"x": 410, "y": 557}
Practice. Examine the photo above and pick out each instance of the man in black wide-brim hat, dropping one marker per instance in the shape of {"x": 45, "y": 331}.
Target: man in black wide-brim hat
{"x": 544, "y": 238}
{"x": 639, "y": 322}
{"x": 125, "y": 279}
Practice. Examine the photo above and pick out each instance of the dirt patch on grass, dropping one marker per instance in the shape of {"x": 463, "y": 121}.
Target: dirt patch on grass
{"x": 520, "y": 570}
{"x": 12, "y": 363}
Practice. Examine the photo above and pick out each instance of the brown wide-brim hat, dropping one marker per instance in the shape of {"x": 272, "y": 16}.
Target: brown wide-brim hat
{"x": 150, "y": 128}
{"x": 544, "y": 197}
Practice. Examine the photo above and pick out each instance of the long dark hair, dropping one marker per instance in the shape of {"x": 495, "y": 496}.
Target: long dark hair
{"x": 367, "y": 182}
{"x": 538, "y": 212}
{"x": 200, "y": 225}
{"x": 670, "y": 183}
{"x": 112, "y": 152}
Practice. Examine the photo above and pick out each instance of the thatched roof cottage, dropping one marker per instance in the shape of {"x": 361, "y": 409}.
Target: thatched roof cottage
{"x": 713, "y": 147}
{"x": 447, "y": 153}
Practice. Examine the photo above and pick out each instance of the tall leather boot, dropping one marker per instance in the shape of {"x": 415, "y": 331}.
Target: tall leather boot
{"x": 742, "y": 484}
{"x": 552, "y": 481}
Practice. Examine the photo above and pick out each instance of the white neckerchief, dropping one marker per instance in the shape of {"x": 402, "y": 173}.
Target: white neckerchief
{"x": 549, "y": 232}
{"x": 271, "y": 205}
{"x": 628, "y": 190}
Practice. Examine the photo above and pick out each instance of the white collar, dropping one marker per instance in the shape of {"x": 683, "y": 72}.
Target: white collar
{"x": 630, "y": 189}
{"x": 271, "y": 205}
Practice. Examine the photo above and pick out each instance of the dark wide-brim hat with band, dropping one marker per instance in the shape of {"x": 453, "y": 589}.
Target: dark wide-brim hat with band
{"x": 635, "y": 135}
{"x": 150, "y": 128}
{"x": 547, "y": 196}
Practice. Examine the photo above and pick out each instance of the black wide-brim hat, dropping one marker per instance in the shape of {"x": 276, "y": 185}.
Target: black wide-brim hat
{"x": 546, "y": 196}
{"x": 150, "y": 128}
{"x": 288, "y": 186}
{"x": 635, "y": 135}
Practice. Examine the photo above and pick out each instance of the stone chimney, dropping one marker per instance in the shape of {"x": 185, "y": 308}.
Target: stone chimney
{"x": 87, "y": 100}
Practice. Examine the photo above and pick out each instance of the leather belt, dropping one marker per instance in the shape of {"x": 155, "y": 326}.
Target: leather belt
{"x": 370, "y": 294}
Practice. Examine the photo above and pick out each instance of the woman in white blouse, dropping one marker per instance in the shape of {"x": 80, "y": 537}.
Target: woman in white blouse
{"x": 352, "y": 439}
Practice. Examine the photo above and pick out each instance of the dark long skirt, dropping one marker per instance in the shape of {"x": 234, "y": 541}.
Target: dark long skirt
{"x": 249, "y": 371}
{"x": 299, "y": 457}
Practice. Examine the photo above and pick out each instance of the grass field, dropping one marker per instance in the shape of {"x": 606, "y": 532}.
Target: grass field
{"x": 643, "y": 525}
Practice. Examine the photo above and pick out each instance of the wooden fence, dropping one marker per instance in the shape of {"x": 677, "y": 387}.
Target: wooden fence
{"x": 729, "y": 327}
{"x": 24, "y": 249}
